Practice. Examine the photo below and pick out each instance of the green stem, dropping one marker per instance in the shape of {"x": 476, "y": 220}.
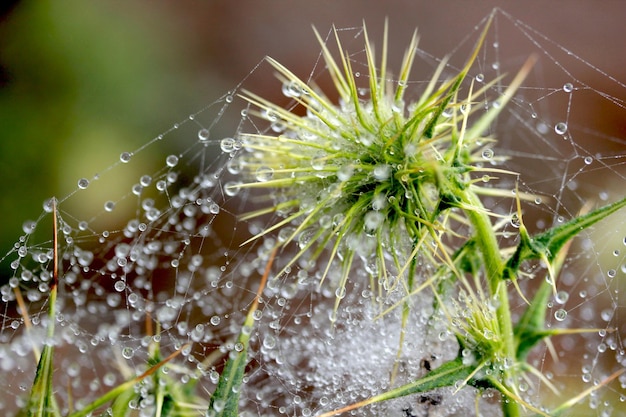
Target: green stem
{"x": 406, "y": 310}
{"x": 494, "y": 266}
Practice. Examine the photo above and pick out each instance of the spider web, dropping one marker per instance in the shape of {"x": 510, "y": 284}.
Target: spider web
{"x": 163, "y": 260}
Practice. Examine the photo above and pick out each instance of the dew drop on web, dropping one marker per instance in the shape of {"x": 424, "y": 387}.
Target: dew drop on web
{"x": 128, "y": 352}
{"x": 560, "y": 128}
{"x": 125, "y": 157}
{"x": 227, "y": 145}
{"x": 560, "y": 314}
{"x": 561, "y": 297}
{"x": 171, "y": 161}
{"x": 203, "y": 135}
{"x": 83, "y": 183}
{"x": 120, "y": 286}
{"x": 487, "y": 154}
{"x": 29, "y": 226}
{"x": 145, "y": 180}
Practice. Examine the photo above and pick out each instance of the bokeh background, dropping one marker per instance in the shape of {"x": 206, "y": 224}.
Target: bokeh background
{"x": 82, "y": 81}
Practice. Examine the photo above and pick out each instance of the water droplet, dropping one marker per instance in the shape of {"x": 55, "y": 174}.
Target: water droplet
{"x": 319, "y": 161}
{"x": 128, "y": 352}
{"x": 588, "y": 160}
{"x": 382, "y": 172}
{"x": 113, "y": 300}
{"x": 109, "y": 206}
{"x": 560, "y": 314}
{"x": 203, "y": 135}
{"x": 264, "y": 174}
{"x": 372, "y": 221}
{"x": 270, "y": 115}
{"x": 480, "y": 78}
{"x": 340, "y": 292}
{"x": 346, "y": 171}
{"x": 379, "y": 202}
{"x": 231, "y": 188}
{"x": 120, "y": 286}
{"x": 171, "y": 161}
{"x": 218, "y": 406}
{"x": 125, "y": 157}
{"x": 215, "y": 320}
{"x": 29, "y": 226}
{"x": 487, "y": 154}
{"x": 561, "y": 297}
{"x": 137, "y": 189}
{"x": 568, "y": 87}
{"x": 542, "y": 128}
{"x": 269, "y": 342}
{"x": 515, "y": 221}
{"x": 606, "y": 314}
{"x": 560, "y": 128}
{"x": 291, "y": 89}
{"x": 145, "y": 180}
{"x": 227, "y": 145}
{"x": 83, "y": 183}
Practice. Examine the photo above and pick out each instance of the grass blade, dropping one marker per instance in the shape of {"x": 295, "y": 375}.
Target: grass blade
{"x": 225, "y": 399}
{"x": 41, "y": 402}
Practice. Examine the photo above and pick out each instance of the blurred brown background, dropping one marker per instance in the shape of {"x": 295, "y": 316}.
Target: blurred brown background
{"x": 82, "y": 81}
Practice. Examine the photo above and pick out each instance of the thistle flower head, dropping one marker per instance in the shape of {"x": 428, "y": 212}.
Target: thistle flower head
{"x": 375, "y": 175}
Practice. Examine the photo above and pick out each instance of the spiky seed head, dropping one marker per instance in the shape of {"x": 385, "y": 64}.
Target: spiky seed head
{"x": 375, "y": 175}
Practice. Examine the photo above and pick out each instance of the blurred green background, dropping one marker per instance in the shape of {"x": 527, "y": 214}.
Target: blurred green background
{"x": 82, "y": 81}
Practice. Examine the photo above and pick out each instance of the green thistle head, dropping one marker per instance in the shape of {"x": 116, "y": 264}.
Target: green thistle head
{"x": 376, "y": 176}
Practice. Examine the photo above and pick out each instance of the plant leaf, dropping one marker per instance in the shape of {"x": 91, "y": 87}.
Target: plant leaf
{"x": 547, "y": 245}
{"x": 530, "y": 328}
